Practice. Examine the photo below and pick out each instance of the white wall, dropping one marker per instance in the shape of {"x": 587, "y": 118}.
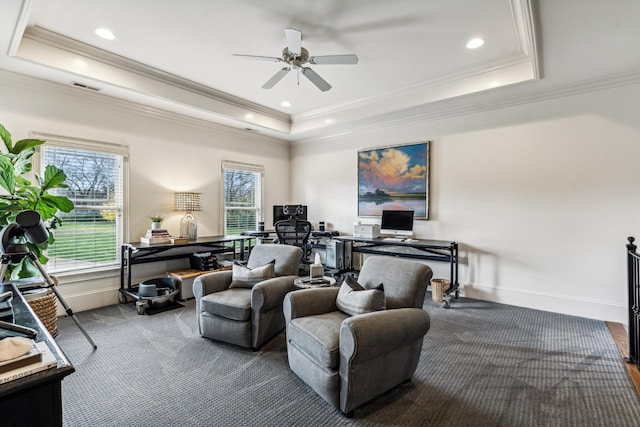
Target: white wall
{"x": 541, "y": 197}
{"x": 166, "y": 155}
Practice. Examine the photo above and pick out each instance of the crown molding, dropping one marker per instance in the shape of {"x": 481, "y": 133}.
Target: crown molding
{"x": 520, "y": 67}
{"x": 524, "y": 21}
{"x": 375, "y": 112}
{"x": 21, "y": 25}
{"x": 524, "y": 24}
{"x": 499, "y": 98}
{"x": 58, "y": 41}
{"x": 123, "y": 105}
{"x": 422, "y": 86}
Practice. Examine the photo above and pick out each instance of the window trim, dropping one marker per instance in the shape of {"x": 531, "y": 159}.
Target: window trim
{"x": 98, "y": 147}
{"x": 249, "y": 167}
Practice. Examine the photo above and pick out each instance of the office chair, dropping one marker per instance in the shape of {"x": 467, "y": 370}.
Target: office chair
{"x": 294, "y": 231}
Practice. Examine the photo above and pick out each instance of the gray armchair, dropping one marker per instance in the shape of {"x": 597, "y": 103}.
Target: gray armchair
{"x": 247, "y": 317}
{"x": 349, "y": 360}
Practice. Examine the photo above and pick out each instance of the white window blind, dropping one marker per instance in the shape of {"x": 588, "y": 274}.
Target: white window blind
{"x": 91, "y": 235}
{"x": 242, "y": 190}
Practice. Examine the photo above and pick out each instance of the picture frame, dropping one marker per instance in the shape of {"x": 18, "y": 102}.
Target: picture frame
{"x": 394, "y": 178}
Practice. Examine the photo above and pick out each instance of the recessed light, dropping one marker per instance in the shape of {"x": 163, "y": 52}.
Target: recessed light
{"x": 285, "y": 104}
{"x": 105, "y": 34}
{"x": 475, "y": 43}
{"x": 329, "y": 121}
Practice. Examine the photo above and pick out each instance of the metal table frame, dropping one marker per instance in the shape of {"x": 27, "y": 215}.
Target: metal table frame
{"x": 140, "y": 253}
{"x": 436, "y": 250}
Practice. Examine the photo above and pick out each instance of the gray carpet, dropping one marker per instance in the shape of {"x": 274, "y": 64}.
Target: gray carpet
{"x": 483, "y": 364}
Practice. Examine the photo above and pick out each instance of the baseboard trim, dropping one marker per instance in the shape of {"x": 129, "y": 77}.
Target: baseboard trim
{"x": 89, "y": 300}
{"x": 570, "y": 305}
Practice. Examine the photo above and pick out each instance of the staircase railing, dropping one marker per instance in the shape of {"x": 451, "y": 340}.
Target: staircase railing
{"x": 633, "y": 274}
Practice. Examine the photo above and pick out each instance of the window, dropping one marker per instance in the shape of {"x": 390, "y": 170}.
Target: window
{"x": 242, "y": 189}
{"x": 91, "y": 234}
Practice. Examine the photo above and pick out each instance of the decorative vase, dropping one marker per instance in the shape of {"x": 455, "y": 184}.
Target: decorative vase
{"x": 156, "y": 225}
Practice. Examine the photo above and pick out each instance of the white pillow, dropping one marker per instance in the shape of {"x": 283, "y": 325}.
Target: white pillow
{"x": 244, "y": 277}
{"x": 354, "y": 299}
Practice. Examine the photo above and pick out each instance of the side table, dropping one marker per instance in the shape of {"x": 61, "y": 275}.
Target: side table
{"x": 316, "y": 282}
{"x": 187, "y": 277}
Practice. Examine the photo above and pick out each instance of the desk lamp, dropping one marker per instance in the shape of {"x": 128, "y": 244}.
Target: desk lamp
{"x": 188, "y": 202}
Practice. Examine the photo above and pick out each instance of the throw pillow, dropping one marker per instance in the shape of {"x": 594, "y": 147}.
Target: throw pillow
{"x": 353, "y": 283}
{"x": 244, "y": 277}
{"x": 354, "y": 302}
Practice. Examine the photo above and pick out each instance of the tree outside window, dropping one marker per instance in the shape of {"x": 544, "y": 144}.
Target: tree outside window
{"x": 242, "y": 197}
{"x": 91, "y": 235}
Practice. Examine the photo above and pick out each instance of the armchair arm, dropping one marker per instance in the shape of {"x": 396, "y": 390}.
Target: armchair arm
{"x": 370, "y": 335}
{"x": 211, "y": 282}
{"x": 308, "y": 302}
{"x": 270, "y": 293}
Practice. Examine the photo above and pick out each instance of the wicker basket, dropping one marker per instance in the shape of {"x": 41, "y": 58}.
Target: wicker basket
{"x": 438, "y": 287}
{"x": 46, "y": 308}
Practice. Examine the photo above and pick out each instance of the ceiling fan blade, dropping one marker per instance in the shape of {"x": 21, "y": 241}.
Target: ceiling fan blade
{"x": 276, "y": 78}
{"x": 316, "y": 79}
{"x": 294, "y": 41}
{"x": 334, "y": 59}
{"x": 258, "y": 57}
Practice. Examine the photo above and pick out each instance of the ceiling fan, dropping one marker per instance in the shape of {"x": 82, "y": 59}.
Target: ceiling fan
{"x": 295, "y": 56}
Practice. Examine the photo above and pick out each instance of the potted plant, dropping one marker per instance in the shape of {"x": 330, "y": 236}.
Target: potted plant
{"x": 17, "y": 193}
{"x": 156, "y": 222}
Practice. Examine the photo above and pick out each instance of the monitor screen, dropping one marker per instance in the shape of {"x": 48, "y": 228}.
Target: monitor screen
{"x": 397, "y": 223}
{"x": 279, "y": 215}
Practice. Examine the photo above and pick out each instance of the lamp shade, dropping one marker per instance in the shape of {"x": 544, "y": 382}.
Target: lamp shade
{"x": 187, "y": 202}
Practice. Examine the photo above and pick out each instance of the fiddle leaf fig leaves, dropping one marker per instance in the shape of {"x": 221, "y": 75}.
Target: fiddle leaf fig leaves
{"x": 17, "y": 194}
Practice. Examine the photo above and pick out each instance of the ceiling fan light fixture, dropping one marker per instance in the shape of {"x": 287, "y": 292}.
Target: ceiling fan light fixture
{"x": 295, "y": 56}
{"x": 475, "y": 43}
{"x": 105, "y": 34}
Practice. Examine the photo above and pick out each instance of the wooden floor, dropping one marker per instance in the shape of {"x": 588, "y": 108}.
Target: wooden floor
{"x": 621, "y": 339}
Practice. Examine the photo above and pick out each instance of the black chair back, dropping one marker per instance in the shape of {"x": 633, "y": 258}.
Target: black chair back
{"x": 294, "y": 231}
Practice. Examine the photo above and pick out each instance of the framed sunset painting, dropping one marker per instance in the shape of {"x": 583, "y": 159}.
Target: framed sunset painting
{"x": 394, "y": 178}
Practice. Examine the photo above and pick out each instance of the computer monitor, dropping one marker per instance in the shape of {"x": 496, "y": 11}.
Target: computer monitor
{"x": 397, "y": 223}
{"x": 279, "y": 215}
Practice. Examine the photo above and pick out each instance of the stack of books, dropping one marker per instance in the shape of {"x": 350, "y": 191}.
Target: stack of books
{"x": 179, "y": 240}
{"x": 156, "y": 236}
{"x": 204, "y": 261}
{"x": 39, "y": 358}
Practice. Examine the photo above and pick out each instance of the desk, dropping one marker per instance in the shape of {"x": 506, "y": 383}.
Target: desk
{"x": 140, "y": 253}
{"x": 268, "y": 233}
{"x": 35, "y": 400}
{"x": 436, "y": 250}
{"x": 264, "y": 236}
{"x": 258, "y": 233}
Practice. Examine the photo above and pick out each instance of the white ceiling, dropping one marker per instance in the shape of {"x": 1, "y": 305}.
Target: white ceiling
{"x": 177, "y": 55}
